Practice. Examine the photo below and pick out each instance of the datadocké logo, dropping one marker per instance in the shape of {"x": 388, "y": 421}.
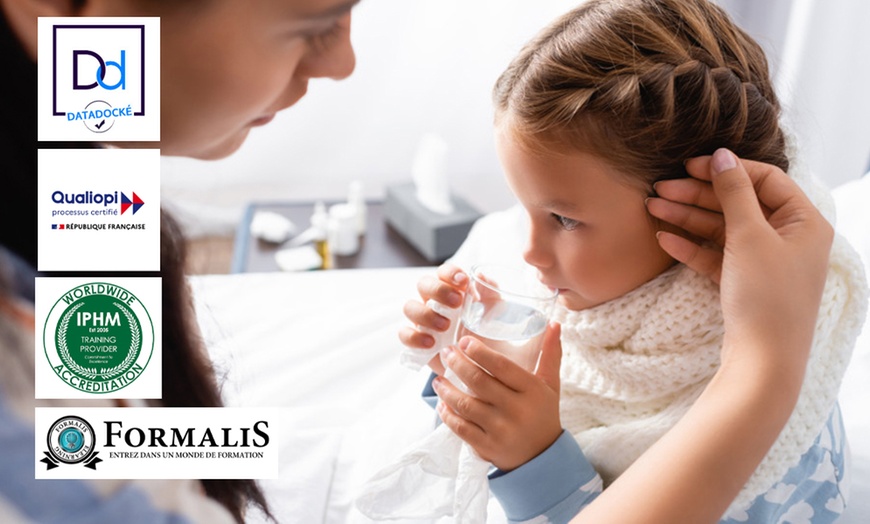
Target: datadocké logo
{"x": 71, "y": 440}
{"x": 98, "y": 74}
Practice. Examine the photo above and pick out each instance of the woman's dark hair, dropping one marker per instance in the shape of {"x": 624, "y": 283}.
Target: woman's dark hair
{"x": 188, "y": 376}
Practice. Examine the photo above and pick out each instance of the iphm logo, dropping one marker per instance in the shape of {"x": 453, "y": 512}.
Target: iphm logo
{"x": 94, "y": 82}
{"x": 102, "y": 75}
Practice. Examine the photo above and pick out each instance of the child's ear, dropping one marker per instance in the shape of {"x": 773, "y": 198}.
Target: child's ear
{"x": 21, "y": 15}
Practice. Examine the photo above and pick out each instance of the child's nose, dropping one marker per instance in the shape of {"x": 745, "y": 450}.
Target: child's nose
{"x": 537, "y": 252}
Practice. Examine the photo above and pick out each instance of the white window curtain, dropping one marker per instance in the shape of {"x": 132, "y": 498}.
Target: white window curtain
{"x": 820, "y": 56}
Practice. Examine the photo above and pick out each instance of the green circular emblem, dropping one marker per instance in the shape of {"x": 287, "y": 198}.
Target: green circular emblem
{"x": 98, "y": 337}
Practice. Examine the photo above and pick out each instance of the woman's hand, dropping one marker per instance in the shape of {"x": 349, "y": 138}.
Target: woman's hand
{"x": 768, "y": 252}
{"x": 510, "y": 415}
{"x": 447, "y": 287}
{"x": 761, "y": 238}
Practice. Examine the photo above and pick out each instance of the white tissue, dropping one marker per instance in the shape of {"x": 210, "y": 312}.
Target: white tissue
{"x": 442, "y": 476}
{"x": 429, "y": 172}
{"x": 417, "y": 358}
{"x": 271, "y": 227}
{"x": 298, "y": 259}
{"x": 355, "y": 199}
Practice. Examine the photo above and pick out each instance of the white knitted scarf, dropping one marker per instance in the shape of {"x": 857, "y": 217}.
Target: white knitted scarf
{"x": 633, "y": 366}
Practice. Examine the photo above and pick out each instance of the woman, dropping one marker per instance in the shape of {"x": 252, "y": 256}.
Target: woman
{"x": 227, "y": 66}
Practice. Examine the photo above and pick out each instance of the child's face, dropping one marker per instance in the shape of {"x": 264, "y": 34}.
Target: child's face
{"x": 591, "y": 236}
{"x": 229, "y": 66}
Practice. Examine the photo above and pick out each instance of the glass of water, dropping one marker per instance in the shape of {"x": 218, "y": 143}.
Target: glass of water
{"x": 507, "y": 309}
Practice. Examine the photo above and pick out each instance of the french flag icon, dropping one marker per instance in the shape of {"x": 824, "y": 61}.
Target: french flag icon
{"x": 126, "y": 203}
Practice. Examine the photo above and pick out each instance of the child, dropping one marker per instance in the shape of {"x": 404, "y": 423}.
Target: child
{"x": 594, "y": 118}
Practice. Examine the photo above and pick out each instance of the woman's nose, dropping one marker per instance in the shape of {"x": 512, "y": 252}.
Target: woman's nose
{"x": 336, "y": 61}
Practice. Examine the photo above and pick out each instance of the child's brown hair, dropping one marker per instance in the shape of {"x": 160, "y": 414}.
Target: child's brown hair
{"x": 644, "y": 84}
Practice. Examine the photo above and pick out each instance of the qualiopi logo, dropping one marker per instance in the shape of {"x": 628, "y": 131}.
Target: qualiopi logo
{"x": 97, "y": 205}
{"x": 95, "y": 198}
{"x": 106, "y": 79}
{"x": 71, "y": 441}
{"x": 126, "y": 203}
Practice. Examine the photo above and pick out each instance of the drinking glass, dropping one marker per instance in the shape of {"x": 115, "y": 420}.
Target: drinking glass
{"x": 507, "y": 309}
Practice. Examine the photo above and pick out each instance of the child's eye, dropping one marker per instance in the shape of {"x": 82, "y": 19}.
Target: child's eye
{"x": 568, "y": 224}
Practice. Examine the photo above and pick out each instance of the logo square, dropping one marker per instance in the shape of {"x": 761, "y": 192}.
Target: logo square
{"x": 109, "y": 200}
{"x": 100, "y": 338}
{"x": 99, "y": 79}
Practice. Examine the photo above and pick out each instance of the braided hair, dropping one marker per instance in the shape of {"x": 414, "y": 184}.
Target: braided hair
{"x": 644, "y": 84}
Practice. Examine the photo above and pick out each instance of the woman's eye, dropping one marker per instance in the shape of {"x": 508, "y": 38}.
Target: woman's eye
{"x": 568, "y": 224}
{"x": 324, "y": 39}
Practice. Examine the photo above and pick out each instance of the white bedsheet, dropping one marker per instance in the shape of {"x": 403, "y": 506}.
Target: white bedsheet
{"x": 324, "y": 346}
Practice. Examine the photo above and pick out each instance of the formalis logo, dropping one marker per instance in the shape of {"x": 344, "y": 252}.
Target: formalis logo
{"x": 99, "y": 79}
{"x": 158, "y": 443}
{"x": 71, "y": 441}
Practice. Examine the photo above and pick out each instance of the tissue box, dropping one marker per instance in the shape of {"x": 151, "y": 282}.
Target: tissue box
{"x": 434, "y": 235}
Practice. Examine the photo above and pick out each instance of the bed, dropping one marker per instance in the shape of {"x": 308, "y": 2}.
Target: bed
{"x": 323, "y": 346}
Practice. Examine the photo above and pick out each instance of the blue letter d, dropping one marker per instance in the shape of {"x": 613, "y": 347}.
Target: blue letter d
{"x": 122, "y": 68}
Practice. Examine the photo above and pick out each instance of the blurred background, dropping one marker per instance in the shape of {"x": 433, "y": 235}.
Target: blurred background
{"x": 428, "y": 66}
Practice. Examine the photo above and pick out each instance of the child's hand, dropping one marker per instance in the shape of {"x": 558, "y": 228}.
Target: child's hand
{"x": 448, "y": 289}
{"x": 513, "y": 415}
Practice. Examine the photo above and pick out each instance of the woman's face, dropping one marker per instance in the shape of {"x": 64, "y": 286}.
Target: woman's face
{"x": 228, "y": 66}
{"x": 591, "y": 236}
